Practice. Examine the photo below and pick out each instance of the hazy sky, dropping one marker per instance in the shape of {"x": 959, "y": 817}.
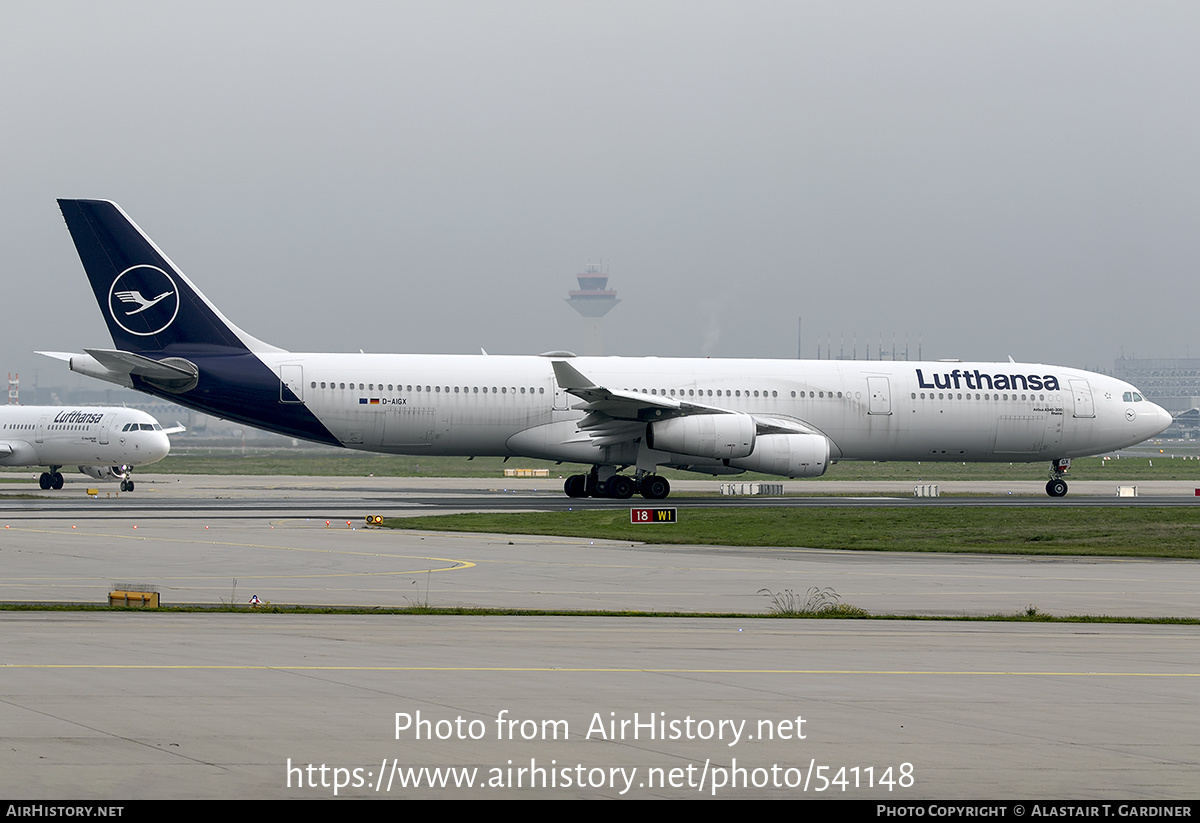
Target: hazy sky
{"x": 993, "y": 178}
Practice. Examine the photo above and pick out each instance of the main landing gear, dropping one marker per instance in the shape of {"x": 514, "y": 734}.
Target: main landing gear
{"x": 1057, "y": 487}
{"x": 52, "y": 479}
{"x": 616, "y": 486}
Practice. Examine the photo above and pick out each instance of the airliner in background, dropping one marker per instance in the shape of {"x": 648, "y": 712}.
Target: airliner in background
{"x": 790, "y": 418}
{"x": 105, "y": 443}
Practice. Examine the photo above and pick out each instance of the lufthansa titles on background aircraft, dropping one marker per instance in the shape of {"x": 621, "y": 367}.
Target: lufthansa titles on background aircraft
{"x": 959, "y": 379}
{"x": 78, "y": 417}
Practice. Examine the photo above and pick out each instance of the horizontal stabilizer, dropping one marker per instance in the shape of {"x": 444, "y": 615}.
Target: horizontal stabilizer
{"x": 129, "y": 363}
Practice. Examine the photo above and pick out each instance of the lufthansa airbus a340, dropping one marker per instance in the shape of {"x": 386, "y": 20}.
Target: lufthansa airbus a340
{"x": 105, "y": 443}
{"x": 790, "y": 418}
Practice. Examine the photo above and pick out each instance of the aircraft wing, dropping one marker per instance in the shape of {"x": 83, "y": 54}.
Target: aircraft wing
{"x": 616, "y": 404}
{"x": 178, "y": 428}
{"x": 615, "y": 416}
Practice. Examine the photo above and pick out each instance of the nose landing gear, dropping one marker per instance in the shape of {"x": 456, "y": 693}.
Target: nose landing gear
{"x": 1057, "y": 487}
{"x": 52, "y": 479}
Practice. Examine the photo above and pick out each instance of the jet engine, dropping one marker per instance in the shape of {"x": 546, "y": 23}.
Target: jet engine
{"x": 106, "y": 472}
{"x": 716, "y": 436}
{"x": 788, "y": 455}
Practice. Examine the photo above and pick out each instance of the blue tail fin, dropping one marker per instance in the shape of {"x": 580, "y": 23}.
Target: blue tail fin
{"x": 149, "y": 305}
{"x": 171, "y": 341}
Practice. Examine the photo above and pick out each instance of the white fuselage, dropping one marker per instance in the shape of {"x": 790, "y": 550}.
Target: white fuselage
{"x": 79, "y": 436}
{"x": 869, "y": 410}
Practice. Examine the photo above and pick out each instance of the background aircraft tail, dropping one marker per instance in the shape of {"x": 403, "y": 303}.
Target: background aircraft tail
{"x": 149, "y": 305}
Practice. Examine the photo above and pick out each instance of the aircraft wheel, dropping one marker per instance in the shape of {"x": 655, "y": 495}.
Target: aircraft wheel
{"x": 620, "y": 487}
{"x": 45, "y": 481}
{"x": 56, "y": 480}
{"x": 130, "y": 484}
{"x": 1056, "y": 488}
{"x": 655, "y": 487}
{"x": 124, "y": 485}
{"x": 576, "y": 486}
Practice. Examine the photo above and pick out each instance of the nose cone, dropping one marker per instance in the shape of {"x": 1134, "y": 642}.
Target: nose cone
{"x": 1157, "y": 419}
{"x": 160, "y": 447}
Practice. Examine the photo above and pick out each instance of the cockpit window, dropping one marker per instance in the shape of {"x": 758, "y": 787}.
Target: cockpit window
{"x": 1137, "y": 398}
{"x": 1127, "y": 397}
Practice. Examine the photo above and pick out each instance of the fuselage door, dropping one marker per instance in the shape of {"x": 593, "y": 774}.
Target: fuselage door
{"x": 1082, "y": 394}
{"x": 41, "y": 429}
{"x": 105, "y": 424}
{"x": 291, "y": 383}
{"x": 881, "y": 395}
{"x": 562, "y": 400}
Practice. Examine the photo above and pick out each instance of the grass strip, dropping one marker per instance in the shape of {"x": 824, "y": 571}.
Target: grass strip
{"x": 1134, "y": 532}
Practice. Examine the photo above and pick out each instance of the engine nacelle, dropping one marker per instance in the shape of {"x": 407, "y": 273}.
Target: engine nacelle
{"x": 787, "y": 455}
{"x": 106, "y": 472}
{"x": 716, "y": 436}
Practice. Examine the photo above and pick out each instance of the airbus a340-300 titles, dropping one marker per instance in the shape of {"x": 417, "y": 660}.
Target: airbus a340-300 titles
{"x": 105, "y": 443}
{"x": 782, "y": 417}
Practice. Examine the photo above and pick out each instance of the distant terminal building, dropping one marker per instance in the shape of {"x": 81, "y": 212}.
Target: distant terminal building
{"x": 593, "y": 299}
{"x": 1171, "y": 382}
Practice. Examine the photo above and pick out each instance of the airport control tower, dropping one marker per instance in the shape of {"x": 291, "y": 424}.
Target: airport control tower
{"x": 592, "y": 300}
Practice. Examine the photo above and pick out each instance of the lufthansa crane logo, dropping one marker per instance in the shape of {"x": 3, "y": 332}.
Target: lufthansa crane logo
{"x": 143, "y": 300}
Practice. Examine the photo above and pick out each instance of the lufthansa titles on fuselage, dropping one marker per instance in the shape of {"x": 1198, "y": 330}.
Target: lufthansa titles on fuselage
{"x": 960, "y": 379}
{"x": 78, "y": 417}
